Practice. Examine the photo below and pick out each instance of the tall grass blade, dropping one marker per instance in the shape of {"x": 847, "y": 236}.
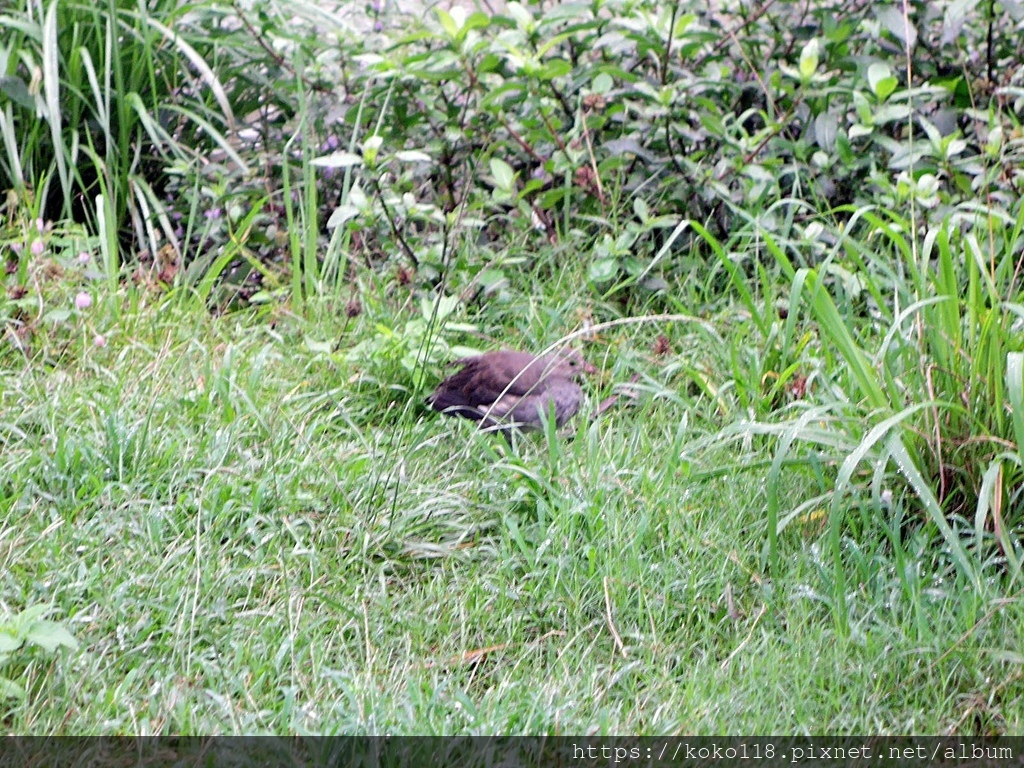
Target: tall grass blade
{"x": 51, "y": 89}
{"x": 832, "y": 324}
{"x": 909, "y": 470}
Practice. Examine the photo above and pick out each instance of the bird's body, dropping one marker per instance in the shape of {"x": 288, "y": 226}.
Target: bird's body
{"x": 507, "y": 388}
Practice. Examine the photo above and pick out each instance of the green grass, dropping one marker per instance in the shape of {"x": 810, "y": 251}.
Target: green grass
{"x": 803, "y": 515}
{"x": 248, "y": 535}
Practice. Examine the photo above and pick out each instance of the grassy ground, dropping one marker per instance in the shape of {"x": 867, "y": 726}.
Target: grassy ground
{"x": 249, "y": 532}
{"x": 802, "y": 516}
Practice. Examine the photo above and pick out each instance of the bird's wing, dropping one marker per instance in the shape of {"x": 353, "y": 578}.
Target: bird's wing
{"x": 482, "y": 381}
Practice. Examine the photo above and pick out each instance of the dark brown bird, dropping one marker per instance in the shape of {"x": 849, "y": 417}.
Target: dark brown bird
{"x": 512, "y": 389}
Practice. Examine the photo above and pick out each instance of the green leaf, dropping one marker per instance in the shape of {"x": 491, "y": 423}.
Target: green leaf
{"x": 492, "y": 280}
{"x": 845, "y": 149}
{"x": 640, "y": 209}
{"x": 826, "y": 128}
{"x": 10, "y": 690}
{"x": 554, "y": 68}
{"x": 446, "y": 305}
{"x": 504, "y": 176}
{"x": 371, "y": 147}
{"x": 603, "y": 270}
{"x": 341, "y": 215}
{"x": 447, "y": 23}
{"x": 892, "y": 113}
{"x": 877, "y": 72}
{"x": 475, "y": 20}
{"x": 885, "y": 87}
{"x": 9, "y": 641}
{"x": 809, "y": 59}
{"x": 49, "y": 635}
{"x": 522, "y": 17}
{"x": 15, "y": 89}
{"x": 891, "y": 18}
{"x": 602, "y": 83}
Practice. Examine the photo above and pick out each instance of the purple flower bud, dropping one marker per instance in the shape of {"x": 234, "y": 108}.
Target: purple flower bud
{"x": 38, "y": 246}
{"x": 83, "y": 300}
